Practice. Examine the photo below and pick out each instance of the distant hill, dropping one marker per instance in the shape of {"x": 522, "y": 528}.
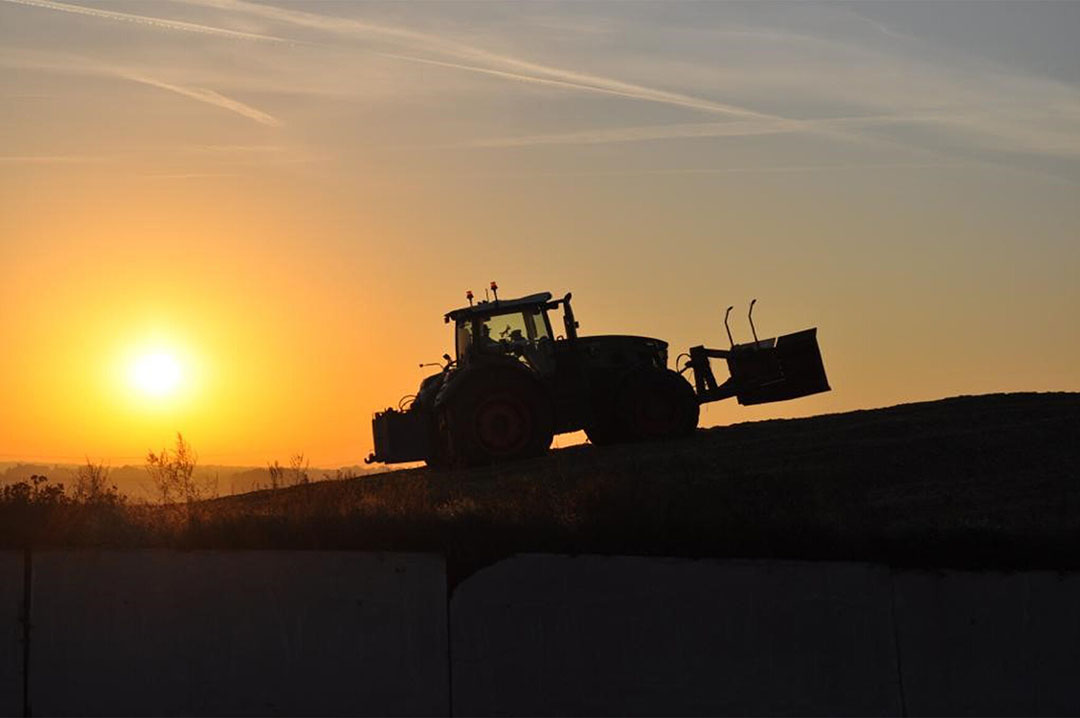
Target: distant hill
{"x": 135, "y": 483}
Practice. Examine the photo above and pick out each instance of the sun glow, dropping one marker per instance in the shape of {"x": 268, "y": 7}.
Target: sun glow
{"x": 157, "y": 375}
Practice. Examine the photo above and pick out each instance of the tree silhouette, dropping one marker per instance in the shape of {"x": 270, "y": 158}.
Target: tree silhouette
{"x": 173, "y": 473}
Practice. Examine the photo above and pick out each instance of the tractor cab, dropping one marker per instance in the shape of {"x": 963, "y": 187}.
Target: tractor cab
{"x": 517, "y": 330}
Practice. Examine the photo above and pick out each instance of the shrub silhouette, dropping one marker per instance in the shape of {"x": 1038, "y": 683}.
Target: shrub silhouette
{"x": 277, "y": 474}
{"x": 294, "y": 475}
{"x": 298, "y": 469}
{"x": 35, "y": 492}
{"x": 92, "y": 489}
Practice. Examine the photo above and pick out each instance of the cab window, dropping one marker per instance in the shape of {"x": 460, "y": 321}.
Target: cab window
{"x": 505, "y": 329}
{"x": 539, "y": 326}
{"x": 517, "y": 329}
{"x": 463, "y": 338}
{"x": 523, "y": 335}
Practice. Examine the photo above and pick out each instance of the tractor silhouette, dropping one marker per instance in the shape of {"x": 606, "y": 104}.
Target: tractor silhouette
{"x": 514, "y": 384}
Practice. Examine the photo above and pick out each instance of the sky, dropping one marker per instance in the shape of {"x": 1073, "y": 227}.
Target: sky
{"x": 280, "y": 200}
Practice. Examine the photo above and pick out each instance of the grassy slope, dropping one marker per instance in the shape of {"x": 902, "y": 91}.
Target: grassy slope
{"x": 986, "y": 480}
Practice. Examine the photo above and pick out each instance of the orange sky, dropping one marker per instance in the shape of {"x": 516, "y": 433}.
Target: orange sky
{"x": 289, "y": 220}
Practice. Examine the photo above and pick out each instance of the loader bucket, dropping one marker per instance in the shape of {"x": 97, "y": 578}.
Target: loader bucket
{"x": 778, "y": 369}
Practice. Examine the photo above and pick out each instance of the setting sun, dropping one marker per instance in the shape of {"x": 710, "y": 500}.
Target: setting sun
{"x": 156, "y": 374}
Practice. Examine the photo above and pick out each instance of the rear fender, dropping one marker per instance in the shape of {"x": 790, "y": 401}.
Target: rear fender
{"x": 458, "y": 379}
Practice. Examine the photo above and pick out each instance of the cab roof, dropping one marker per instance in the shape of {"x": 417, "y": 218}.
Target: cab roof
{"x": 498, "y": 306}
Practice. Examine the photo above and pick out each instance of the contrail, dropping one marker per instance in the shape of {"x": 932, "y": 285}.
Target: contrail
{"x": 504, "y": 66}
{"x": 208, "y": 96}
{"x": 750, "y": 169}
{"x": 157, "y": 22}
{"x": 473, "y": 59}
{"x": 77, "y": 65}
{"x": 50, "y": 159}
{"x": 531, "y": 72}
{"x": 736, "y": 128}
{"x": 619, "y": 89}
{"x": 640, "y": 134}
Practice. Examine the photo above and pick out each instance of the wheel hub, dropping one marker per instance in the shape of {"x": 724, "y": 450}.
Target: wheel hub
{"x": 503, "y": 425}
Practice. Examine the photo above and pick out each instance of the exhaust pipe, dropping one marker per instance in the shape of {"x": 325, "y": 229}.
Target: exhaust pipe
{"x": 750, "y": 316}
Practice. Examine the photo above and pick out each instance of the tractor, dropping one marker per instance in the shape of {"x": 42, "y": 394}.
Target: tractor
{"x": 514, "y": 383}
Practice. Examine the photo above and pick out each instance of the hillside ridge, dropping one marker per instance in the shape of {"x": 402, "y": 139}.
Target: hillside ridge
{"x": 967, "y": 481}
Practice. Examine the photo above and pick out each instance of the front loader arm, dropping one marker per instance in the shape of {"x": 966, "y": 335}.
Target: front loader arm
{"x": 704, "y": 381}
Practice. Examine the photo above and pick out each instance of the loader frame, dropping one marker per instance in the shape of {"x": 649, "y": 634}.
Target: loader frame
{"x": 762, "y": 371}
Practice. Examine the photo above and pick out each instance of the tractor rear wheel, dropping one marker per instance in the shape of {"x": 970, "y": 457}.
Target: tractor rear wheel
{"x": 500, "y": 415}
{"x": 657, "y": 404}
{"x": 647, "y": 404}
{"x": 608, "y": 426}
{"x": 605, "y": 431}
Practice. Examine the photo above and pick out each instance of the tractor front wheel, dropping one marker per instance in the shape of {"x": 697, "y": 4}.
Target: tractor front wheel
{"x": 499, "y": 416}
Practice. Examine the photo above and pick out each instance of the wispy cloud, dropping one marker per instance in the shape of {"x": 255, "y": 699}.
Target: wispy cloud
{"x": 189, "y": 175}
{"x": 974, "y": 127}
{"x": 160, "y": 23}
{"x": 892, "y": 91}
{"x": 793, "y": 169}
{"x": 212, "y": 157}
{"x": 783, "y": 169}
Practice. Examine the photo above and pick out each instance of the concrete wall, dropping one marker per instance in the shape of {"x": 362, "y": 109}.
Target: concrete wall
{"x": 336, "y": 633}
{"x": 549, "y": 635}
{"x": 989, "y": 643}
{"x": 11, "y": 633}
{"x": 238, "y": 633}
